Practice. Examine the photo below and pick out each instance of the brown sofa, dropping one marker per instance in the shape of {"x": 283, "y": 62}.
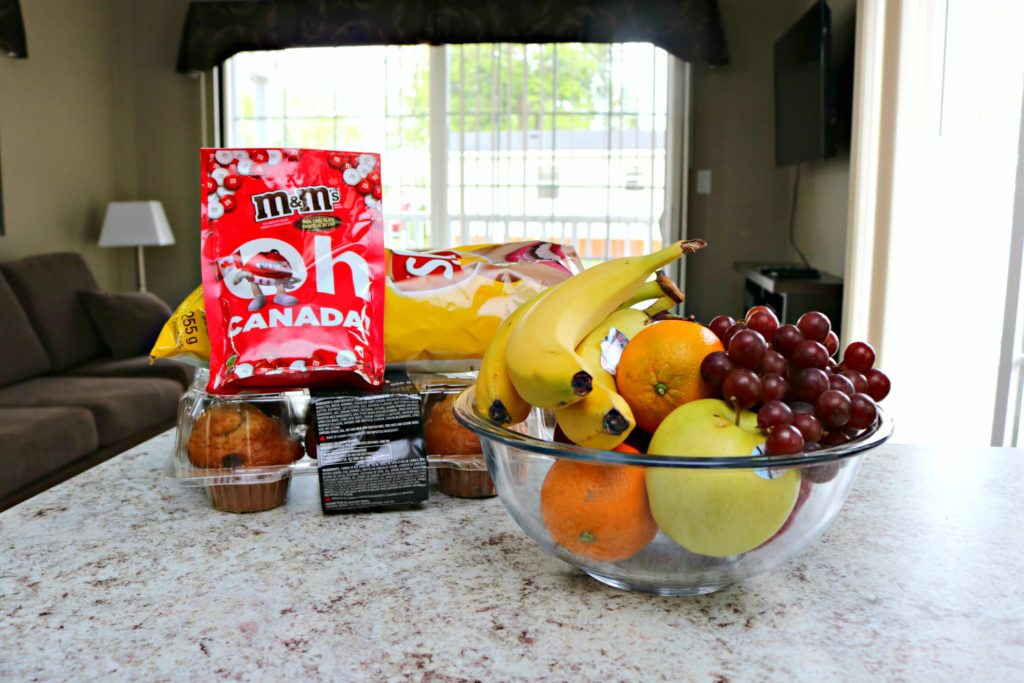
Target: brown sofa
{"x": 66, "y": 403}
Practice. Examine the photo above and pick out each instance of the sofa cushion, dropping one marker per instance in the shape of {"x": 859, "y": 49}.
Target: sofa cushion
{"x": 21, "y": 353}
{"x": 120, "y": 407}
{"x": 35, "y": 442}
{"x": 47, "y": 287}
{"x": 128, "y": 322}
{"x": 136, "y": 367}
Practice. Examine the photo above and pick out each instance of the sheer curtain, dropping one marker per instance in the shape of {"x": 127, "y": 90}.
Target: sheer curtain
{"x": 929, "y": 244}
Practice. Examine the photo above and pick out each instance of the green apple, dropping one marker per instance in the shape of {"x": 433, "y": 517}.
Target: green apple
{"x": 716, "y": 512}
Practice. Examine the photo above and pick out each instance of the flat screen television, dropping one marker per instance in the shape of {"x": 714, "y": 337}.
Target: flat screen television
{"x": 806, "y": 115}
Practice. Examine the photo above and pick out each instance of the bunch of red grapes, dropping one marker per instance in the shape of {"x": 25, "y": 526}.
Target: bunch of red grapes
{"x": 808, "y": 400}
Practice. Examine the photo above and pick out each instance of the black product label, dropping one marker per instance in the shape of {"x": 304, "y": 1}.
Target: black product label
{"x": 369, "y": 446}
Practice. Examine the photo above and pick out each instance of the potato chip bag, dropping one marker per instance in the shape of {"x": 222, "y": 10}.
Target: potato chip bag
{"x": 184, "y": 337}
{"x": 446, "y": 305}
{"x": 440, "y": 305}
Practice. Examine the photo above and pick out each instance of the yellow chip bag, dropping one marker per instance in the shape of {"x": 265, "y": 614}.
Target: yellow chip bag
{"x": 446, "y": 305}
{"x": 439, "y": 305}
{"x": 184, "y": 337}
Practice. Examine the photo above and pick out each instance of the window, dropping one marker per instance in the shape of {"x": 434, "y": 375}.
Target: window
{"x": 481, "y": 143}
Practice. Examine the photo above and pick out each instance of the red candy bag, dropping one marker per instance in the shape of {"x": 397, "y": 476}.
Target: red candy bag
{"x": 293, "y": 268}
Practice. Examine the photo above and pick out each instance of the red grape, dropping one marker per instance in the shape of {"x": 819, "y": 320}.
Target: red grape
{"x": 878, "y": 384}
{"x": 773, "y": 414}
{"x": 742, "y": 388}
{"x": 859, "y": 356}
{"x": 835, "y": 437}
{"x": 784, "y": 440}
{"x": 763, "y": 321}
{"x": 786, "y": 338}
{"x": 832, "y": 365}
{"x": 774, "y": 388}
{"x": 747, "y": 348}
{"x": 733, "y": 329}
{"x": 862, "y": 411}
{"x": 809, "y": 426}
{"x": 821, "y": 473}
{"x": 831, "y": 343}
{"x": 809, "y": 354}
{"x": 860, "y": 382}
{"x": 814, "y": 326}
{"x": 833, "y": 408}
{"x": 802, "y": 407}
{"x": 714, "y": 368}
{"x": 758, "y": 309}
{"x": 773, "y": 363}
{"x": 720, "y": 324}
{"x": 808, "y": 384}
{"x": 841, "y": 383}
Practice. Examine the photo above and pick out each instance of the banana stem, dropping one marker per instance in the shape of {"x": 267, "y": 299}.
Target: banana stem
{"x": 661, "y": 287}
{"x": 669, "y": 287}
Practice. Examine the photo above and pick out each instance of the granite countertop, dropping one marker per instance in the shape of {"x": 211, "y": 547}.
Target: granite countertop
{"x": 120, "y": 574}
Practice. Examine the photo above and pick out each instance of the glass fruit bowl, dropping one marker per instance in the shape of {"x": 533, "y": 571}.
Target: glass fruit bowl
{"x": 667, "y": 525}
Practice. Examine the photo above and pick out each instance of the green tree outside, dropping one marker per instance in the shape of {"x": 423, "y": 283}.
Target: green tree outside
{"x": 503, "y": 87}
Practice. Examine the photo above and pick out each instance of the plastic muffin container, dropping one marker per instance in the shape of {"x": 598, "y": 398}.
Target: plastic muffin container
{"x": 243, "y": 449}
{"x": 454, "y": 452}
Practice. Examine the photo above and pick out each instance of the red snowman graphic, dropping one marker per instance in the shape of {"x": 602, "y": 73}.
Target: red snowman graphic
{"x": 266, "y": 268}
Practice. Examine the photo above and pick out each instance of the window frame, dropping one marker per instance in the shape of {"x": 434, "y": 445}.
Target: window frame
{"x": 217, "y": 111}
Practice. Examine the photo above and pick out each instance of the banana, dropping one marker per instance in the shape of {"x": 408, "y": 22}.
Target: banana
{"x": 652, "y": 289}
{"x": 628, "y": 321}
{"x": 541, "y": 355}
{"x": 596, "y": 420}
{"x": 602, "y": 419}
{"x": 495, "y": 396}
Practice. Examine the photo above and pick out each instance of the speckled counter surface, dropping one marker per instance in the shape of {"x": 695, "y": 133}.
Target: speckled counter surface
{"x": 119, "y": 574}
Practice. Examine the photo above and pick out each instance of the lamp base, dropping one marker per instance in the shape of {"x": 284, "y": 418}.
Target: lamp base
{"x": 140, "y": 261}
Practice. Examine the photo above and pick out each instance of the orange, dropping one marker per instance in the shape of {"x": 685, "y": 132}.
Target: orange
{"x": 597, "y": 511}
{"x": 660, "y": 369}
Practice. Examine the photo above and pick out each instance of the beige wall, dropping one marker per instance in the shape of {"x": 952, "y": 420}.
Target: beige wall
{"x": 821, "y": 213}
{"x": 745, "y": 218}
{"x": 95, "y": 114}
{"x": 57, "y": 136}
{"x": 167, "y": 138}
{"x": 820, "y": 222}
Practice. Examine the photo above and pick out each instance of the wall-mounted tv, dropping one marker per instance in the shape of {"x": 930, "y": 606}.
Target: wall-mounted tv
{"x": 806, "y": 114}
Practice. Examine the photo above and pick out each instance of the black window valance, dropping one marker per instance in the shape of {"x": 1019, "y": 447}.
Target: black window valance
{"x": 12, "y": 29}
{"x": 214, "y": 31}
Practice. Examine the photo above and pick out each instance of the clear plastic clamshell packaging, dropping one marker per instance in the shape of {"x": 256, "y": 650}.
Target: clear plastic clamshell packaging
{"x": 454, "y": 452}
{"x": 243, "y": 448}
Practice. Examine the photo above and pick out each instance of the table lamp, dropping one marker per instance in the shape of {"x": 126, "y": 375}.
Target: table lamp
{"x": 136, "y": 224}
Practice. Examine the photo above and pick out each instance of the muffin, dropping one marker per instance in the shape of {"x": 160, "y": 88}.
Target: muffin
{"x": 231, "y": 434}
{"x": 443, "y": 435}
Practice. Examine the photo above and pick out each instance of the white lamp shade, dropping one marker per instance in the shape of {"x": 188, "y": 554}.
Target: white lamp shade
{"x": 135, "y": 224}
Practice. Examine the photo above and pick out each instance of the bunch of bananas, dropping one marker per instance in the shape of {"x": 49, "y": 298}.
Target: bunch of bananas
{"x": 548, "y": 352}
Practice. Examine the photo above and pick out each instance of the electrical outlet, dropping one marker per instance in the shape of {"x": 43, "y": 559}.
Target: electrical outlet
{"x": 704, "y": 182}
